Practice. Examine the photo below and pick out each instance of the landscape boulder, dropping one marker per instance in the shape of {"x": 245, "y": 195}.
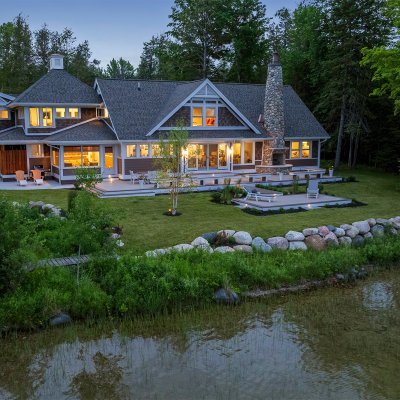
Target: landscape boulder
{"x": 259, "y": 244}
{"x": 315, "y": 242}
{"x": 226, "y": 232}
{"x": 155, "y": 253}
{"x": 297, "y": 245}
{"x": 294, "y": 236}
{"x": 224, "y": 249}
{"x": 358, "y": 241}
{"x": 200, "y": 242}
{"x": 61, "y": 318}
{"x": 310, "y": 231}
{"x": 243, "y": 237}
{"x": 244, "y": 248}
{"x": 395, "y": 223}
{"x": 339, "y": 232}
{"x": 278, "y": 242}
{"x": 382, "y": 221}
{"x": 378, "y": 230}
{"x": 372, "y": 222}
{"x": 226, "y": 296}
{"x": 323, "y": 230}
{"x": 210, "y": 236}
{"x": 362, "y": 226}
{"x": 332, "y": 228}
{"x": 331, "y": 239}
{"x": 182, "y": 247}
{"x": 352, "y": 232}
{"x": 345, "y": 241}
{"x": 368, "y": 235}
{"x": 346, "y": 227}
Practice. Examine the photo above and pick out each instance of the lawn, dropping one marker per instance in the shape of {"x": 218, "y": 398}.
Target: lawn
{"x": 145, "y": 227}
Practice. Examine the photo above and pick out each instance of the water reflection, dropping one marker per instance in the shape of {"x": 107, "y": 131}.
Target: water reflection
{"x": 321, "y": 345}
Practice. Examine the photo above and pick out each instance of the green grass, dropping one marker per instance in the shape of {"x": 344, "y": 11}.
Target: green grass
{"x": 145, "y": 226}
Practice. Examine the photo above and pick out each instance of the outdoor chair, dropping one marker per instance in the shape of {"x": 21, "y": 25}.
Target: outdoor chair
{"x": 37, "y": 176}
{"x": 259, "y": 195}
{"x": 312, "y": 190}
{"x": 133, "y": 176}
{"x": 20, "y": 177}
{"x": 151, "y": 177}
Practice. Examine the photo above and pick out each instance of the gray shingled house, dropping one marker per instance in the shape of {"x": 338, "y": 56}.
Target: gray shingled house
{"x": 60, "y": 123}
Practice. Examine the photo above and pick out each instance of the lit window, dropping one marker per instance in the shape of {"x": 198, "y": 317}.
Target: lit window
{"x": 131, "y": 150}
{"x": 55, "y": 157}
{"x": 295, "y": 153}
{"x": 210, "y": 117}
{"x": 36, "y": 150}
{"x": 248, "y": 153}
{"x": 109, "y": 157}
{"x": 144, "y": 150}
{"x": 34, "y": 119}
{"x": 47, "y": 116}
{"x": 73, "y": 112}
{"x": 156, "y": 150}
{"x": 60, "y": 112}
{"x": 91, "y": 156}
{"x": 305, "y": 149}
{"x": 72, "y": 156}
{"x": 197, "y": 117}
{"x": 4, "y": 114}
{"x": 237, "y": 153}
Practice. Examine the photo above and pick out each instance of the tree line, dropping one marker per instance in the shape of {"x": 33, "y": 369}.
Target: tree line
{"x": 335, "y": 53}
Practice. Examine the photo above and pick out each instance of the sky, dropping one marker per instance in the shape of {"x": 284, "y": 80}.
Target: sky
{"x": 114, "y": 28}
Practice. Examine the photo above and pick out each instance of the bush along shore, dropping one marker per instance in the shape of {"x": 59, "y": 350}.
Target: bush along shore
{"x": 109, "y": 287}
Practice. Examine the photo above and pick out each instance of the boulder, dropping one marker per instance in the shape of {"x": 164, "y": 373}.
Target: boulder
{"x": 226, "y": 296}
{"x": 260, "y": 245}
{"x": 382, "y": 221}
{"x": 182, "y": 247}
{"x": 371, "y": 221}
{"x": 395, "y": 223}
{"x": 378, "y": 230}
{"x": 332, "y": 228}
{"x": 244, "y": 248}
{"x": 393, "y": 231}
{"x": 357, "y": 241}
{"x": 315, "y": 242}
{"x": 210, "y": 236}
{"x": 61, "y": 318}
{"x": 297, "y": 245}
{"x": 352, "y": 232}
{"x": 323, "y": 230}
{"x": 115, "y": 235}
{"x": 47, "y": 207}
{"x": 310, "y": 231}
{"x": 227, "y": 232}
{"x": 207, "y": 249}
{"x": 223, "y": 249}
{"x": 243, "y": 237}
{"x": 339, "y": 232}
{"x": 120, "y": 243}
{"x": 155, "y": 253}
{"x": 278, "y": 242}
{"x": 200, "y": 241}
{"x": 345, "y": 241}
{"x": 368, "y": 235}
{"x": 362, "y": 226}
{"x": 331, "y": 239}
{"x": 346, "y": 226}
{"x": 293, "y": 236}
{"x": 36, "y": 204}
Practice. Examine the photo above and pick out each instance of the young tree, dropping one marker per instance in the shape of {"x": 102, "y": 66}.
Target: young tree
{"x": 120, "y": 69}
{"x": 172, "y": 164}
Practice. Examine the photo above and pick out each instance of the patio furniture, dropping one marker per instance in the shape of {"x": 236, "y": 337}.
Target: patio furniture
{"x": 151, "y": 177}
{"x": 133, "y": 177}
{"x": 37, "y": 176}
{"x": 20, "y": 177}
{"x": 312, "y": 190}
{"x": 260, "y": 195}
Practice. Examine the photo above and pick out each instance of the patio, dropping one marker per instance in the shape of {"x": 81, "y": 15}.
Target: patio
{"x": 47, "y": 184}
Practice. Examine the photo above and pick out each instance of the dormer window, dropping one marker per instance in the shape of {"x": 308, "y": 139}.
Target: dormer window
{"x": 204, "y": 115}
{"x": 41, "y": 117}
{"x": 72, "y": 112}
{"x": 47, "y": 117}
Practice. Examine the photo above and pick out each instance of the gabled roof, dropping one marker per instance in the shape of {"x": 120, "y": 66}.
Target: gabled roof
{"x": 5, "y": 98}
{"x": 136, "y": 106}
{"x": 58, "y": 87}
{"x": 214, "y": 134}
{"x": 95, "y": 131}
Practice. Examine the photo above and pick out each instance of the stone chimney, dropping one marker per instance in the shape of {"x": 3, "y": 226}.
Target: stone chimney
{"x": 273, "y": 104}
{"x": 273, "y": 157}
{"x": 56, "y": 61}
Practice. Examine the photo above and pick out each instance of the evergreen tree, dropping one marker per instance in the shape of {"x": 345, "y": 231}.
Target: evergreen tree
{"x": 121, "y": 69}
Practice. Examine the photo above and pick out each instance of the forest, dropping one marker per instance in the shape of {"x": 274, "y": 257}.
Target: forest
{"x": 341, "y": 56}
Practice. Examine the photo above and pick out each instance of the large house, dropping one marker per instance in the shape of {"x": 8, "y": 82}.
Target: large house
{"x": 59, "y": 123}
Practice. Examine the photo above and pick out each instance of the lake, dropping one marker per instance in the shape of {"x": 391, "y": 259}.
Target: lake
{"x": 335, "y": 343}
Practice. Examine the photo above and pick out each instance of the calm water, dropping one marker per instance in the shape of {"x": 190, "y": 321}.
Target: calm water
{"x": 329, "y": 344}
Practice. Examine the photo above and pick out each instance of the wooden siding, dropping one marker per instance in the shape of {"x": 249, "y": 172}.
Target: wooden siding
{"x": 12, "y": 160}
{"x": 45, "y": 161}
{"x": 304, "y": 162}
{"x": 226, "y": 118}
{"x": 140, "y": 165}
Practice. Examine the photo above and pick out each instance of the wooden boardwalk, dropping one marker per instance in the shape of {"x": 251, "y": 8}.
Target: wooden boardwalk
{"x": 63, "y": 261}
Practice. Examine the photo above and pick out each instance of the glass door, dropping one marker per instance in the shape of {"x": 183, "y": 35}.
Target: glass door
{"x": 202, "y": 156}
{"x": 222, "y": 156}
{"x": 109, "y": 162}
{"x": 192, "y": 156}
{"x": 212, "y": 156}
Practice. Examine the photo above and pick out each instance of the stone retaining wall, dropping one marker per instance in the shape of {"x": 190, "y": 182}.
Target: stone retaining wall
{"x": 225, "y": 241}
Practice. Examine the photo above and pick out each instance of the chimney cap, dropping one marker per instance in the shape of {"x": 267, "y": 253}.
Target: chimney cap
{"x": 275, "y": 58}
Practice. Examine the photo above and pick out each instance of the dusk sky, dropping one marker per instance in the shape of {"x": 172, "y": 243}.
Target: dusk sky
{"x": 114, "y": 28}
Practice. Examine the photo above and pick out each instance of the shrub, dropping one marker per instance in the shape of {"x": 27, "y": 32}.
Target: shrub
{"x": 87, "y": 178}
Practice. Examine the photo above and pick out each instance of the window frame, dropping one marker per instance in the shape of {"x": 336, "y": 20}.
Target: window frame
{"x": 8, "y": 114}
{"x": 40, "y": 147}
{"x": 136, "y": 151}
{"x": 81, "y": 153}
{"x": 300, "y": 150}
{"x": 204, "y": 105}
{"x": 41, "y": 118}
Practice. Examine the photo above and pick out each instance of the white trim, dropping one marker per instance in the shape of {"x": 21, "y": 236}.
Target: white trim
{"x": 212, "y": 128}
{"x": 96, "y": 85}
{"x": 81, "y": 105}
{"x": 7, "y": 96}
{"x": 193, "y": 94}
{"x": 304, "y": 138}
{"x": 300, "y": 150}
